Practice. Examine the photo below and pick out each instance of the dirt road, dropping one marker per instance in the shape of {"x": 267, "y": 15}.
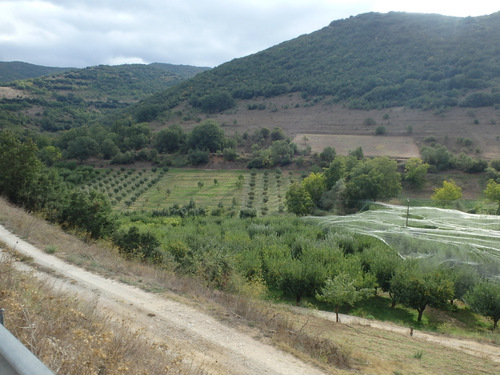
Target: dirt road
{"x": 202, "y": 341}
{"x": 467, "y": 346}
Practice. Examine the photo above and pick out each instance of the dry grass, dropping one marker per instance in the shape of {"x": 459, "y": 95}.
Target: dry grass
{"x": 337, "y": 348}
{"x": 324, "y": 118}
{"x": 70, "y": 337}
{"x": 393, "y": 147}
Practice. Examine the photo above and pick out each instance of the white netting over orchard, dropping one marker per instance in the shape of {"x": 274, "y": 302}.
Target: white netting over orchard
{"x": 440, "y": 234}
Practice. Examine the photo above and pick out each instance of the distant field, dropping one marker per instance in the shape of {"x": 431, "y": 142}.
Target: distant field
{"x": 393, "y": 147}
{"x": 133, "y": 189}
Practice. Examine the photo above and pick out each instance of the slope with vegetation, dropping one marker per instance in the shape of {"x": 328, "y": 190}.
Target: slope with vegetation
{"x": 75, "y": 98}
{"x": 368, "y": 61}
{"x": 16, "y": 70}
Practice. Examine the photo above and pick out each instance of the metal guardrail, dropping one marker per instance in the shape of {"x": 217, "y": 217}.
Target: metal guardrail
{"x": 15, "y": 358}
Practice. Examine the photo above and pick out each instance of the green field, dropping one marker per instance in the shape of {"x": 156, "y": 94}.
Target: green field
{"x": 147, "y": 189}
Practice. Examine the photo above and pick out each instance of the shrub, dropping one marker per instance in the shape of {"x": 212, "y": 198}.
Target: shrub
{"x": 248, "y": 213}
{"x": 197, "y": 157}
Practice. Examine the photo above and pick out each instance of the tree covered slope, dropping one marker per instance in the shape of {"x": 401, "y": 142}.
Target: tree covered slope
{"x": 369, "y": 61}
{"x": 76, "y": 97}
{"x": 16, "y": 70}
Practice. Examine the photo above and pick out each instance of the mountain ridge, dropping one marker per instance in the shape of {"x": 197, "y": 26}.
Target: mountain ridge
{"x": 17, "y": 70}
{"x": 373, "y": 60}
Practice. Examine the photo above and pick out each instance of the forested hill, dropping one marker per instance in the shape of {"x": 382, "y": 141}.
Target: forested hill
{"x": 16, "y": 70}
{"x": 369, "y": 61}
{"x": 80, "y": 96}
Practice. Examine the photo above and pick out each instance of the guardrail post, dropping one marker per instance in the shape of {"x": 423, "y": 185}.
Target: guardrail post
{"x": 2, "y": 311}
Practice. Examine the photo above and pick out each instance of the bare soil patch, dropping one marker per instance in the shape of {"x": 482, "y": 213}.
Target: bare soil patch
{"x": 393, "y": 147}
{"x": 10, "y": 93}
{"x": 295, "y": 116}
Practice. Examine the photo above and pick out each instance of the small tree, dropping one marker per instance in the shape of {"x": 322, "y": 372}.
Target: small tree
{"x": 315, "y": 185}
{"x": 448, "y": 193}
{"x": 335, "y": 171}
{"x": 328, "y": 154}
{"x": 492, "y": 193}
{"x": 133, "y": 242}
{"x": 417, "y": 286}
{"x": 416, "y": 170}
{"x": 298, "y": 200}
{"x": 484, "y": 298}
{"x": 207, "y": 136}
{"x": 343, "y": 289}
{"x": 301, "y": 276}
{"x": 465, "y": 278}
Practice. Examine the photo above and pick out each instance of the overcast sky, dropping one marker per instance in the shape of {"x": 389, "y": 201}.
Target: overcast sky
{"x": 80, "y": 33}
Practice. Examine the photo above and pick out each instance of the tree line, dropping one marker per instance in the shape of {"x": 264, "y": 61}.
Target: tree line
{"x": 27, "y": 182}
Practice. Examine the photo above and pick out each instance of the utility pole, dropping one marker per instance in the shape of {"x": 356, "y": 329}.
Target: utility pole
{"x": 407, "y": 211}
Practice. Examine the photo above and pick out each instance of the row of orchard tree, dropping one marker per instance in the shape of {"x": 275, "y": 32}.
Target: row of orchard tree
{"x": 305, "y": 262}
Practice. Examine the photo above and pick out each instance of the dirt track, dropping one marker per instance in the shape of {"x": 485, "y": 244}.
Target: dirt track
{"x": 202, "y": 341}
{"x": 467, "y": 346}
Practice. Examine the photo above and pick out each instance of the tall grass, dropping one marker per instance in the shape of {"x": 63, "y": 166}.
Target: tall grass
{"x": 70, "y": 336}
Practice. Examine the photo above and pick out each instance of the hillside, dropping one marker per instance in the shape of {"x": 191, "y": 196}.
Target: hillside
{"x": 71, "y": 99}
{"x": 16, "y": 70}
{"x": 423, "y": 78}
{"x": 369, "y": 61}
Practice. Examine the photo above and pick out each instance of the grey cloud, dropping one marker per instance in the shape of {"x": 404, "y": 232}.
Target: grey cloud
{"x": 198, "y": 32}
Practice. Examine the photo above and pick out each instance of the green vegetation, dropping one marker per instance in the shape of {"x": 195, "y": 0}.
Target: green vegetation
{"x": 408, "y": 66}
{"x": 30, "y": 184}
{"x": 492, "y": 193}
{"x": 416, "y": 286}
{"x": 227, "y": 227}
{"x": 448, "y": 193}
{"x": 77, "y": 97}
{"x": 485, "y": 299}
{"x": 347, "y": 182}
{"x": 14, "y": 71}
